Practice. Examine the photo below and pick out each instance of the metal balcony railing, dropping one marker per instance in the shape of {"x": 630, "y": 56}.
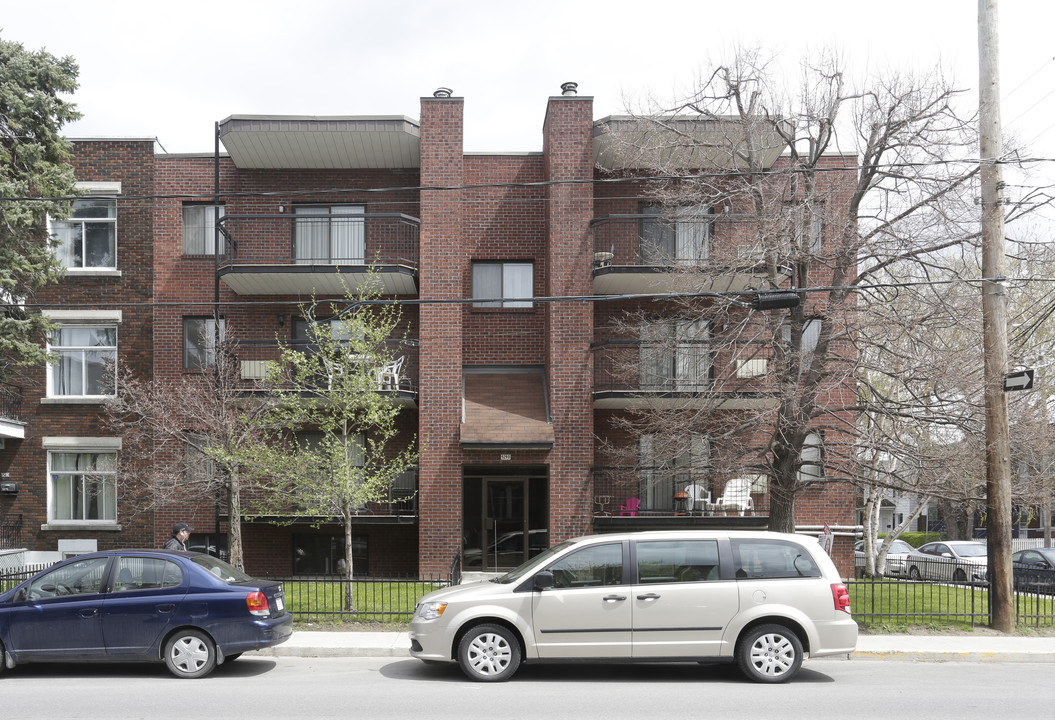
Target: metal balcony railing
{"x": 339, "y": 239}
{"x": 10, "y": 403}
{"x": 662, "y": 490}
{"x": 647, "y": 240}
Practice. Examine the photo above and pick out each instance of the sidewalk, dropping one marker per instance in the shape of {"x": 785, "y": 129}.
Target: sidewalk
{"x": 921, "y": 648}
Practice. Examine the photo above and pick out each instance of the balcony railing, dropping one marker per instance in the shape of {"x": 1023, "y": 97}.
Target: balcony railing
{"x": 340, "y": 239}
{"x": 648, "y": 241}
{"x": 10, "y": 403}
{"x": 11, "y": 532}
{"x": 661, "y": 491}
{"x": 399, "y": 377}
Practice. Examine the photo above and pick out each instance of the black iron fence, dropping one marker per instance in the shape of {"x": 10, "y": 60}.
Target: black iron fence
{"x": 10, "y": 402}
{"x": 329, "y": 600}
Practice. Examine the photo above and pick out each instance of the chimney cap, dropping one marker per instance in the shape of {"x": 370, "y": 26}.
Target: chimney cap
{"x": 569, "y": 88}
{"x": 442, "y": 92}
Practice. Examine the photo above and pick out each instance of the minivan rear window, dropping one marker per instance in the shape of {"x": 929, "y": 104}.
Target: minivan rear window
{"x": 772, "y": 559}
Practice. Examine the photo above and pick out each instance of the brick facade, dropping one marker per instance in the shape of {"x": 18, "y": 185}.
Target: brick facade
{"x": 532, "y": 208}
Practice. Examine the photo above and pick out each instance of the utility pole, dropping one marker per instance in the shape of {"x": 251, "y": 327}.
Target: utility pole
{"x": 994, "y": 325}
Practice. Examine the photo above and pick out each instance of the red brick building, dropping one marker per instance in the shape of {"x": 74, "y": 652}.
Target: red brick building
{"x": 510, "y": 379}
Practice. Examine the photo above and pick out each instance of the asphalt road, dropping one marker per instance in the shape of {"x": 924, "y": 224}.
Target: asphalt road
{"x": 366, "y": 688}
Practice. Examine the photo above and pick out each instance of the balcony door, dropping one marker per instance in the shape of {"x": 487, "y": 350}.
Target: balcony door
{"x": 325, "y": 235}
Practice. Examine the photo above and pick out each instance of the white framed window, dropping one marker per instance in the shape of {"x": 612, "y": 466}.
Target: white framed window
{"x": 675, "y": 356}
{"x": 199, "y": 228}
{"x": 679, "y": 235}
{"x": 811, "y": 465}
{"x": 325, "y": 234}
{"x": 86, "y": 361}
{"x": 88, "y": 239}
{"x": 82, "y": 481}
{"x": 503, "y": 284}
{"x": 811, "y": 332}
{"x": 199, "y": 342}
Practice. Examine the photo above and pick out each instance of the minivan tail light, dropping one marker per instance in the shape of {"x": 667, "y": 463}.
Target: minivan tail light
{"x": 257, "y": 603}
{"x": 841, "y": 596}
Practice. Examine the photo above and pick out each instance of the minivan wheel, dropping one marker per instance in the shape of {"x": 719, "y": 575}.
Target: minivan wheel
{"x": 769, "y": 654}
{"x": 190, "y": 654}
{"x": 489, "y": 653}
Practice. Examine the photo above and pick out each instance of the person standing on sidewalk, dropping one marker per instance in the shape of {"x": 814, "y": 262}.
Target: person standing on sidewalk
{"x": 180, "y": 533}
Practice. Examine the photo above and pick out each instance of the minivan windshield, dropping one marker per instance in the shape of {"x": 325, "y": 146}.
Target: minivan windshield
{"x": 533, "y": 565}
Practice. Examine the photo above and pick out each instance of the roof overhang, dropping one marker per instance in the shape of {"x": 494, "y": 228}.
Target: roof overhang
{"x": 624, "y": 142}
{"x": 327, "y": 143}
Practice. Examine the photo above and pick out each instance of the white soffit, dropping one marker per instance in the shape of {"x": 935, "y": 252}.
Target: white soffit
{"x": 293, "y": 141}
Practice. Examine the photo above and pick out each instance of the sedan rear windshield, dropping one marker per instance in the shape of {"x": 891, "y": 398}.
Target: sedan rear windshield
{"x": 227, "y": 573}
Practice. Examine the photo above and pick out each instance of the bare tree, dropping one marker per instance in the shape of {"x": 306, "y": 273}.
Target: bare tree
{"x": 813, "y": 216}
{"x": 190, "y": 440}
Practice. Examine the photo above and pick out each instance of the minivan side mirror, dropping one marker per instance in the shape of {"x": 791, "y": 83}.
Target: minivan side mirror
{"x": 543, "y": 580}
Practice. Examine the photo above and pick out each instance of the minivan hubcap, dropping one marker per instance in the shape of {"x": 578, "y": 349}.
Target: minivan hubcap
{"x": 489, "y": 654}
{"x": 772, "y": 655}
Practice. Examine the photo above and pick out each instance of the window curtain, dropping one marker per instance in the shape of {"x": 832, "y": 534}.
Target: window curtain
{"x": 693, "y": 355}
{"x": 346, "y": 236}
{"x": 312, "y": 235}
{"x": 487, "y": 283}
{"x": 516, "y": 283}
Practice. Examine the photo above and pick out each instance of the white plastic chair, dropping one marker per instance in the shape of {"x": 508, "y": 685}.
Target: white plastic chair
{"x": 698, "y": 496}
{"x": 388, "y": 376}
{"x": 737, "y": 495}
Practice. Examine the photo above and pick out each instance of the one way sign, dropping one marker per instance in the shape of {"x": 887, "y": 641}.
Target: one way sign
{"x": 1021, "y": 380}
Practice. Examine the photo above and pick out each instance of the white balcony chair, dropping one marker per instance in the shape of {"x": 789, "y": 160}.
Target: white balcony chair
{"x": 737, "y": 495}
{"x": 388, "y": 376}
{"x": 699, "y": 498}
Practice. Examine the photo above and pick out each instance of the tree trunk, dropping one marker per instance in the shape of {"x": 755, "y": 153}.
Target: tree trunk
{"x": 349, "y": 586}
{"x": 234, "y": 522}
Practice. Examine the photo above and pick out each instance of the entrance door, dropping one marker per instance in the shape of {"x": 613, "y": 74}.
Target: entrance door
{"x": 505, "y": 521}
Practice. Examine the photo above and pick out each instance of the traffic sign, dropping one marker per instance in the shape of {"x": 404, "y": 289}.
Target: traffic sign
{"x": 1021, "y": 380}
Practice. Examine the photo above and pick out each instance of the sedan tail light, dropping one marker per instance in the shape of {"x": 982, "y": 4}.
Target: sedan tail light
{"x": 841, "y": 596}
{"x": 257, "y": 602}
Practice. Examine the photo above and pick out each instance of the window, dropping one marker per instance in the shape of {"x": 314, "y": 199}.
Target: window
{"x": 199, "y": 342}
{"x": 808, "y": 218}
{"x": 504, "y": 284}
{"x": 327, "y": 235}
{"x": 590, "y": 567}
{"x": 772, "y": 559}
{"x": 83, "y": 353}
{"x": 83, "y": 486}
{"x": 668, "y": 464}
{"x": 89, "y": 238}
{"x": 678, "y": 235}
{"x": 677, "y": 561}
{"x": 675, "y": 356}
{"x": 199, "y": 228}
{"x": 811, "y": 332}
{"x": 811, "y": 466}
{"x": 140, "y": 573}
{"x": 83, "y": 577}
{"x": 198, "y": 467}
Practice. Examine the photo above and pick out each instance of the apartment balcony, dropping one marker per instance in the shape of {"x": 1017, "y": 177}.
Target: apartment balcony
{"x": 633, "y": 374}
{"x": 645, "y": 253}
{"x": 397, "y": 379}
{"x": 660, "y": 497}
{"x": 327, "y": 253}
{"x": 12, "y": 426}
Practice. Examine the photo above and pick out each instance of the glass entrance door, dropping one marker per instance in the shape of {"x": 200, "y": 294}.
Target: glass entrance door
{"x": 505, "y": 521}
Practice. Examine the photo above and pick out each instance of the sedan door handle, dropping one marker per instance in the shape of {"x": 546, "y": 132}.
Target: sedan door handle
{"x": 166, "y": 608}
{"x": 89, "y": 612}
{"x": 650, "y": 596}
{"x": 613, "y": 598}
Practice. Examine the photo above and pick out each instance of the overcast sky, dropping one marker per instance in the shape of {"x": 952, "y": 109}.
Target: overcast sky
{"x": 170, "y": 70}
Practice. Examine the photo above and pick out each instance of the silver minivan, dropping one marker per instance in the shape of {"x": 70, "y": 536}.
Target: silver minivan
{"x": 763, "y": 600}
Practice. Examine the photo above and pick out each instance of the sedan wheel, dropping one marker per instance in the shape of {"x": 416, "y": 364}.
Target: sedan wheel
{"x": 913, "y": 573}
{"x": 769, "y": 654}
{"x": 489, "y": 653}
{"x": 190, "y": 654}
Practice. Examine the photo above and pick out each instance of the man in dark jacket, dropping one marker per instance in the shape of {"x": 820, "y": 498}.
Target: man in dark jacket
{"x": 180, "y": 533}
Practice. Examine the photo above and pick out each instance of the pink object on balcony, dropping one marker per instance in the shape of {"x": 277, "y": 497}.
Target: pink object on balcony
{"x": 632, "y": 504}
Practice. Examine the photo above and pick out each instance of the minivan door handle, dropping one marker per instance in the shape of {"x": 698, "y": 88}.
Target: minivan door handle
{"x": 650, "y": 596}
{"x": 613, "y": 598}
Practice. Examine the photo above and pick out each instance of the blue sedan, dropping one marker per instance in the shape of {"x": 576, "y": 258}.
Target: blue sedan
{"x": 189, "y": 610}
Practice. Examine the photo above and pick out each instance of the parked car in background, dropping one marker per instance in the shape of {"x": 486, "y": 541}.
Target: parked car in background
{"x": 896, "y": 556}
{"x": 762, "y": 600}
{"x": 950, "y": 561}
{"x": 189, "y": 610}
{"x": 1034, "y": 570}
